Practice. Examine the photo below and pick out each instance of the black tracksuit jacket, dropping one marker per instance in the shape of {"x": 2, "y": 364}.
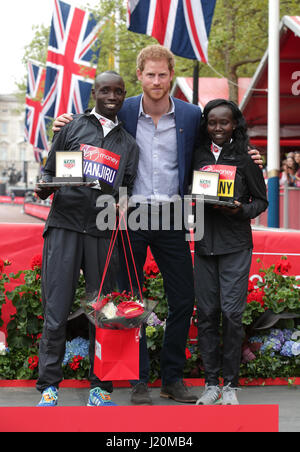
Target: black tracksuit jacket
{"x": 225, "y": 233}
{"x": 74, "y": 208}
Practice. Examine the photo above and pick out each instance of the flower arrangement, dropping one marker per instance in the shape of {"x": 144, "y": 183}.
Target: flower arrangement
{"x": 118, "y": 304}
{"x": 272, "y": 353}
{"x": 19, "y": 360}
{"x": 117, "y": 310}
{"x": 267, "y": 353}
{"x": 277, "y": 292}
{"x": 76, "y": 360}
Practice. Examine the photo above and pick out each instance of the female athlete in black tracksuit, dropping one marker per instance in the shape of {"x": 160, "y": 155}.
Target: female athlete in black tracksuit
{"x": 223, "y": 256}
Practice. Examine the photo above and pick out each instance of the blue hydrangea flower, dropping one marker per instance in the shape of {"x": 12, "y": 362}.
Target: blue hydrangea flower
{"x": 288, "y": 334}
{"x": 287, "y": 349}
{"x": 255, "y": 339}
{"x": 296, "y": 348}
{"x": 77, "y": 346}
{"x": 278, "y": 335}
{"x": 271, "y": 344}
{"x": 153, "y": 320}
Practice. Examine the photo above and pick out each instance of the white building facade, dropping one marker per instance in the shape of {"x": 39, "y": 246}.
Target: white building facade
{"x": 14, "y": 151}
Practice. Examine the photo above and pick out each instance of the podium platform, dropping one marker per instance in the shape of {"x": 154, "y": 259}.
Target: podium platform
{"x": 261, "y": 409}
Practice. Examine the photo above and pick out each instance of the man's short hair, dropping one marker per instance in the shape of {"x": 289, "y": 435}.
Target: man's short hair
{"x": 155, "y": 52}
{"x": 98, "y": 77}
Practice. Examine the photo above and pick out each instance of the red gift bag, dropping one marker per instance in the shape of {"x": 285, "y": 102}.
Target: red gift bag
{"x": 117, "y": 354}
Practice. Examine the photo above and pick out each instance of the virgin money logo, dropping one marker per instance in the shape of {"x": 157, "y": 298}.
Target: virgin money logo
{"x": 228, "y": 172}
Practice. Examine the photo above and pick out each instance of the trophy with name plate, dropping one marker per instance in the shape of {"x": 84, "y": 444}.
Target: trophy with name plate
{"x": 206, "y": 183}
{"x": 68, "y": 171}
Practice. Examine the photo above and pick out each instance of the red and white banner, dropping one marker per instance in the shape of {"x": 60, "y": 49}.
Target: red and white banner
{"x": 20, "y": 242}
{"x": 100, "y": 163}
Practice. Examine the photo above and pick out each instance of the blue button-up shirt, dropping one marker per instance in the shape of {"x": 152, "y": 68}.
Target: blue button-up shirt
{"x": 157, "y": 176}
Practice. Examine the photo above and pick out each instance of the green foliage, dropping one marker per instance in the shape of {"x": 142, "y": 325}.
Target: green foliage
{"x": 252, "y": 311}
{"x": 25, "y": 326}
{"x": 154, "y": 344}
{"x": 3, "y": 280}
{"x": 237, "y": 41}
{"x": 154, "y": 290}
{"x": 266, "y": 365}
{"x": 278, "y": 292}
{"x": 281, "y": 290}
{"x": 239, "y": 38}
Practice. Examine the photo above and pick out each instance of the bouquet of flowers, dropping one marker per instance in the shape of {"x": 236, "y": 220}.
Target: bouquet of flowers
{"x": 117, "y": 310}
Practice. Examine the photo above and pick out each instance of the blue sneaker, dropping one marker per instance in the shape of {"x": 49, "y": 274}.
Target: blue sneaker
{"x": 49, "y": 397}
{"x": 99, "y": 397}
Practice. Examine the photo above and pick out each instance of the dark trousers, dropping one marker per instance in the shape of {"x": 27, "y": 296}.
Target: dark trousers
{"x": 65, "y": 253}
{"x": 172, "y": 254}
{"x": 221, "y": 284}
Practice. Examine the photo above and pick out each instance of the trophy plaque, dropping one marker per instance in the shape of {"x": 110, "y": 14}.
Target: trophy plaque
{"x": 69, "y": 166}
{"x": 68, "y": 171}
{"x": 206, "y": 183}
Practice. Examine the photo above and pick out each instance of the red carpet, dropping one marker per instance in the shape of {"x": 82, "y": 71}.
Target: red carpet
{"x": 246, "y": 418}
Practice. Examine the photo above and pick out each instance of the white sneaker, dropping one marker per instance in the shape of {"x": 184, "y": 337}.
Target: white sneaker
{"x": 210, "y": 396}
{"x": 229, "y": 396}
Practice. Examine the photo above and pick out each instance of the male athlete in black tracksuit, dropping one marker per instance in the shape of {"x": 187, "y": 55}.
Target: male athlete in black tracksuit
{"x": 72, "y": 239}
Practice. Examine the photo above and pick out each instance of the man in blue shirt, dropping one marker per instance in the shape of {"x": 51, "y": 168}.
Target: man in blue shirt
{"x": 166, "y": 130}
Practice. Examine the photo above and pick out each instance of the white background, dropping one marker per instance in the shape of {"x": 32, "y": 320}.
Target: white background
{"x": 16, "y": 20}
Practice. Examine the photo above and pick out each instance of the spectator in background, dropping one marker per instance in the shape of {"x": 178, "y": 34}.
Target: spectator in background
{"x": 297, "y": 159}
{"x": 283, "y": 173}
{"x": 291, "y": 169}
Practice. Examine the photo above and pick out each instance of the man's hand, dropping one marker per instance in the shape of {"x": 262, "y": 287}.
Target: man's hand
{"x": 255, "y": 155}
{"x": 44, "y": 193}
{"x": 61, "y": 121}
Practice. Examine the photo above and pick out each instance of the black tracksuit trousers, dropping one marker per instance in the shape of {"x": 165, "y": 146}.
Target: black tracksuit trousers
{"x": 65, "y": 253}
{"x": 221, "y": 284}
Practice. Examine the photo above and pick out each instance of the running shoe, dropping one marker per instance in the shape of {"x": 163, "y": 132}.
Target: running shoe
{"x": 210, "y": 396}
{"x": 49, "y": 397}
{"x": 229, "y": 396}
{"x": 99, "y": 397}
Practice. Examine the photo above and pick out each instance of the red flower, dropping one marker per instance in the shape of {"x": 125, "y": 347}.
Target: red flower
{"x": 1, "y": 266}
{"x": 36, "y": 262}
{"x": 33, "y": 362}
{"x": 129, "y": 309}
{"x": 114, "y": 297}
{"x": 256, "y": 295}
{"x": 188, "y": 354}
{"x": 251, "y": 286}
{"x": 151, "y": 268}
{"x": 282, "y": 266}
{"x": 75, "y": 363}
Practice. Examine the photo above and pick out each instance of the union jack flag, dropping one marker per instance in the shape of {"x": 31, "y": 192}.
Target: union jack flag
{"x": 183, "y": 26}
{"x": 35, "y": 122}
{"x": 71, "y": 60}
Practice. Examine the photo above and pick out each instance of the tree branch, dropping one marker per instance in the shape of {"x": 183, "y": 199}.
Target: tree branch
{"x": 241, "y": 63}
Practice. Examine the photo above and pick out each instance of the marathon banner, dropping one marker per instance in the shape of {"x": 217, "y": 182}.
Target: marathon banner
{"x": 100, "y": 164}
{"x": 226, "y": 180}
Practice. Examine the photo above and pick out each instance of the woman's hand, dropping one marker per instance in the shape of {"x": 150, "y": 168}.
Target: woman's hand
{"x": 230, "y": 210}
